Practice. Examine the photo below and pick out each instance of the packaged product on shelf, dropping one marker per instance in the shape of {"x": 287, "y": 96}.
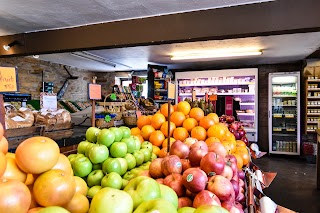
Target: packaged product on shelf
{"x": 20, "y": 118}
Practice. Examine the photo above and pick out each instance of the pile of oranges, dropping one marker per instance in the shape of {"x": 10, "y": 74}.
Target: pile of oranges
{"x": 187, "y": 122}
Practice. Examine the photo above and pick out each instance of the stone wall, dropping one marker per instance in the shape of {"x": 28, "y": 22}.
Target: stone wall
{"x": 30, "y": 77}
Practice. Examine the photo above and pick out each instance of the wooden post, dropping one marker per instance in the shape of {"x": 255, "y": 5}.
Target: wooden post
{"x": 93, "y": 113}
{"x": 2, "y": 113}
{"x": 169, "y": 136}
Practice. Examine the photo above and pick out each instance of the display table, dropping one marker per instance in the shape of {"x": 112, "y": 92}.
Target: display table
{"x": 318, "y": 158}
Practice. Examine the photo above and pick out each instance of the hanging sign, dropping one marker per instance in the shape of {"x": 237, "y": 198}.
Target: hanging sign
{"x": 94, "y": 91}
{"x": 48, "y": 101}
{"x": 171, "y": 90}
{"x": 8, "y": 79}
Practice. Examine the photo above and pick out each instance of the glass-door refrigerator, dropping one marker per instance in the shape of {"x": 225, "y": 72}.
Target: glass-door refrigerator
{"x": 284, "y": 113}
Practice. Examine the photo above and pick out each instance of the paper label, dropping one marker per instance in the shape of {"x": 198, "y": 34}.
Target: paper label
{"x": 18, "y": 118}
{"x": 189, "y": 177}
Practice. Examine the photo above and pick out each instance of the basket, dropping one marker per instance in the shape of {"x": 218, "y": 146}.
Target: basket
{"x": 101, "y": 123}
{"x": 153, "y": 107}
{"x": 114, "y": 107}
{"x": 130, "y": 116}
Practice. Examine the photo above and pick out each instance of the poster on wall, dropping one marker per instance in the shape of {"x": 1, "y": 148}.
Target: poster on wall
{"x": 8, "y": 79}
{"x": 48, "y": 101}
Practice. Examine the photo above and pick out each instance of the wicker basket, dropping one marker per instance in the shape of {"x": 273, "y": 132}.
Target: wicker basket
{"x": 114, "y": 107}
{"x": 101, "y": 123}
{"x": 130, "y": 116}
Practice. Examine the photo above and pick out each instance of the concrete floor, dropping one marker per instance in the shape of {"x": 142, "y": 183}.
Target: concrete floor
{"x": 295, "y": 184}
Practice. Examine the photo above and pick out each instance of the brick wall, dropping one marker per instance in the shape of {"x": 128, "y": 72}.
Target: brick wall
{"x": 30, "y": 77}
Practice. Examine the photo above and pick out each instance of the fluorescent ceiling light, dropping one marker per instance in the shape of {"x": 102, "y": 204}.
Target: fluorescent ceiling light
{"x": 93, "y": 57}
{"x": 214, "y": 54}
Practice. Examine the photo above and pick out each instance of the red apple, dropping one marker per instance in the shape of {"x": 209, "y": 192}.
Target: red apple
{"x": 179, "y": 149}
{"x": 171, "y": 164}
{"x": 184, "y": 202}
{"x": 159, "y": 180}
{"x": 185, "y": 164}
{"x": 236, "y": 209}
{"x": 199, "y": 145}
{"x": 236, "y": 187}
{"x": 221, "y": 187}
{"x": 196, "y": 155}
{"x": 227, "y": 172}
{"x": 155, "y": 168}
{"x": 230, "y": 119}
{"x": 232, "y": 162}
{"x": 233, "y": 126}
{"x": 190, "y": 141}
{"x": 206, "y": 197}
{"x": 174, "y": 181}
{"x": 238, "y": 205}
{"x": 241, "y": 174}
{"x": 227, "y": 205}
{"x": 241, "y": 132}
{"x": 245, "y": 140}
{"x": 194, "y": 179}
{"x": 190, "y": 195}
{"x": 218, "y": 148}
{"x": 237, "y": 135}
{"x": 212, "y": 163}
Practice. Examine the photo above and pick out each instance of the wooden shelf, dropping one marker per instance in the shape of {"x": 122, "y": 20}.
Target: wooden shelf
{"x": 312, "y": 122}
{"x": 313, "y": 97}
{"x": 313, "y": 80}
{"x": 313, "y": 106}
{"x": 313, "y": 89}
{"x": 313, "y": 114}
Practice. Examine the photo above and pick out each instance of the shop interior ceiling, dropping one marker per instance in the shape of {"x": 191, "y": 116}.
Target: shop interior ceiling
{"x": 18, "y": 17}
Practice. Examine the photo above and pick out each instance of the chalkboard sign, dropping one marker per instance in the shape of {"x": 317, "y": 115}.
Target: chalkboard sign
{"x": 8, "y": 79}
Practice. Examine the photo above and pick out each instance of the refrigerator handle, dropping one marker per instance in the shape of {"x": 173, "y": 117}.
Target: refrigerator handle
{"x": 268, "y": 113}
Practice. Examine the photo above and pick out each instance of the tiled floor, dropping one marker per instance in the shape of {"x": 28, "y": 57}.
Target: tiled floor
{"x": 295, "y": 184}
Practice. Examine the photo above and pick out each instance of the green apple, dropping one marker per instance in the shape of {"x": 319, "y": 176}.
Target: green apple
{"x": 98, "y": 153}
{"x": 211, "y": 209}
{"x": 157, "y": 205}
{"x": 112, "y": 180}
{"x": 148, "y": 145}
{"x": 92, "y": 133}
{"x": 124, "y": 183}
{"x": 169, "y": 194}
{"x": 153, "y": 156}
{"x": 118, "y": 149}
{"x": 93, "y": 190}
{"x": 123, "y": 165}
{"x": 131, "y": 144}
{"x": 139, "y": 156}
{"x": 95, "y": 177}
{"x": 146, "y": 153}
{"x": 112, "y": 201}
{"x": 142, "y": 189}
{"x": 186, "y": 209}
{"x": 131, "y": 161}
{"x": 129, "y": 175}
{"x": 117, "y": 133}
{"x": 86, "y": 153}
{"x": 97, "y": 166}
{"x": 137, "y": 141}
{"x": 126, "y": 132}
{"x": 82, "y": 146}
{"x": 74, "y": 158}
{"x": 106, "y": 137}
{"x": 111, "y": 165}
{"x": 145, "y": 166}
{"x": 136, "y": 171}
{"x": 82, "y": 166}
{"x": 53, "y": 209}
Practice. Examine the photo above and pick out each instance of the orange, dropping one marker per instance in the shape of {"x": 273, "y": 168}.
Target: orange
{"x": 81, "y": 185}
{"x": 184, "y": 107}
{"x": 13, "y": 172}
{"x": 177, "y": 118}
{"x": 165, "y": 142}
{"x": 54, "y": 188}
{"x": 156, "y": 138}
{"x": 135, "y": 131}
{"x": 206, "y": 122}
{"x": 3, "y": 164}
{"x": 143, "y": 121}
{"x": 150, "y": 117}
{"x": 175, "y": 107}
{"x": 164, "y": 128}
{"x": 196, "y": 113}
{"x": 215, "y": 117}
{"x": 217, "y": 131}
{"x": 30, "y": 179}
{"x": 239, "y": 160}
{"x": 35, "y": 210}
{"x": 229, "y": 136}
{"x": 189, "y": 124}
{"x": 212, "y": 140}
{"x": 163, "y": 152}
{"x": 37, "y": 154}
{"x": 78, "y": 204}
{"x": 157, "y": 120}
{"x": 199, "y": 133}
{"x": 10, "y": 155}
{"x": 158, "y": 112}
{"x": 180, "y": 133}
{"x": 164, "y": 109}
{"x": 4, "y": 145}
{"x": 230, "y": 146}
{"x": 244, "y": 154}
{"x": 146, "y": 131}
{"x": 34, "y": 203}
{"x": 156, "y": 150}
{"x": 64, "y": 165}
{"x": 240, "y": 143}
{"x": 1, "y": 131}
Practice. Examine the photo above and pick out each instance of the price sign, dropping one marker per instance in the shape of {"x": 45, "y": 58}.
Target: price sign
{"x": 8, "y": 79}
{"x": 171, "y": 90}
{"x": 48, "y": 101}
{"x": 94, "y": 91}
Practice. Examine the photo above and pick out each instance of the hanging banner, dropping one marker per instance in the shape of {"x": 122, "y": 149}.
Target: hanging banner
{"x": 8, "y": 79}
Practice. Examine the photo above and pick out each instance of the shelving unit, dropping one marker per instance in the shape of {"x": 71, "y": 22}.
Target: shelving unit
{"x": 284, "y": 113}
{"x": 240, "y": 84}
{"x": 312, "y": 104}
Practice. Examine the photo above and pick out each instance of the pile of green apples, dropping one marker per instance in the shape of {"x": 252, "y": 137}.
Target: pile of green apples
{"x": 110, "y": 158}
